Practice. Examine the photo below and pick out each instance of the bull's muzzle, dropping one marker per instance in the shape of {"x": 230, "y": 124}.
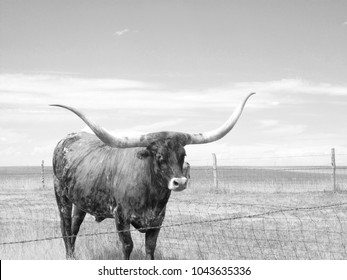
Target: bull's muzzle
{"x": 178, "y": 184}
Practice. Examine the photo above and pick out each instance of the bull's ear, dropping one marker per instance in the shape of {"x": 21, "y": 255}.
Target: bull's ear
{"x": 143, "y": 154}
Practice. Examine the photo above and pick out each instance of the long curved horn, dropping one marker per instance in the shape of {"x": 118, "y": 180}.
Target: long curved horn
{"x": 144, "y": 140}
{"x": 118, "y": 142}
{"x": 216, "y": 134}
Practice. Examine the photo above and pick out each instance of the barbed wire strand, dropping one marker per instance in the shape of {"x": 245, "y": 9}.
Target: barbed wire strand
{"x": 257, "y": 215}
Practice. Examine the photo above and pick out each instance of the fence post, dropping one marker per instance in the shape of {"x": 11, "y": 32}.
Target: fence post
{"x": 43, "y": 173}
{"x": 214, "y": 169}
{"x": 333, "y": 166}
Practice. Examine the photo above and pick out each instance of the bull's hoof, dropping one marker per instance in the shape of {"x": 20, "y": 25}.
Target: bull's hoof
{"x": 71, "y": 257}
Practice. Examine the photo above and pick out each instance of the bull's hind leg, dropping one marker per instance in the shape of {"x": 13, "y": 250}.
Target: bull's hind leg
{"x": 65, "y": 209}
{"x": 77, "y": 219}
{"x": 123, "y": 228}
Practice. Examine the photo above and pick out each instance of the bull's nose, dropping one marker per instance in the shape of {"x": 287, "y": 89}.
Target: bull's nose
{"x": 178, "y": 184}
{"x": 179, "y": 181}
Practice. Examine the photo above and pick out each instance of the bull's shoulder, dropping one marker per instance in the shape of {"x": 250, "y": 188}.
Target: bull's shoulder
{"x": 74, "y": 145}
{"x": 84, "y": 154}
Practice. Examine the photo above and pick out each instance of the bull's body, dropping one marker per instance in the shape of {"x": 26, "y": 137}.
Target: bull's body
{"x": 99, "y": 180}
{"x": 129, "y": 179}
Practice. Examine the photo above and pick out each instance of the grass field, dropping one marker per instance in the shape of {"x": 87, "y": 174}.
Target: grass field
{"x": 256, "y": 213}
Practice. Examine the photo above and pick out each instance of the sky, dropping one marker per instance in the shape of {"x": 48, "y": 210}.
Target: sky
{"x": 145, "y": 66}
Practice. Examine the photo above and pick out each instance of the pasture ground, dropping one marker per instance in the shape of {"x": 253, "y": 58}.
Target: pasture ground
{"x": 254, "y": 214}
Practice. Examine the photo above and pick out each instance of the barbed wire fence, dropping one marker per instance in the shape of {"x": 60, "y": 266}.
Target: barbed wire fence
{"x": 256, "y": 212}
{"x": 274, "y": 173}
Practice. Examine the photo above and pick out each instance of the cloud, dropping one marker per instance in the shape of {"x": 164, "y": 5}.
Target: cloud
{"x": 275, "y": 127}
{"x": 44, "y": 149}
{"x": 43, "y": 89}
{"x": 345, "y": 23}
{"x": 42, "y": 83}
{"x": 10, "y": 136}
{"x": 34, "y": 92}
{"x": 122, "y": 32}
{"x": 140, "y": 129}
{"x": 295, "y": 86}
{"x": 129, "y": 107}
{"x": 27, "y": 96}
{"x": 37, "y": 91}
{"x": 267, "y": 123}
{"x": 287, "y": 130}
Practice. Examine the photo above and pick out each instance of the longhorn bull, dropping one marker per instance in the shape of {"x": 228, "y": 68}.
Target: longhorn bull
{"x": 129, "y": 179}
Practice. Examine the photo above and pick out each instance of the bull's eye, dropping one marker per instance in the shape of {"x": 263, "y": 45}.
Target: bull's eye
{"x": 160, "y": 158}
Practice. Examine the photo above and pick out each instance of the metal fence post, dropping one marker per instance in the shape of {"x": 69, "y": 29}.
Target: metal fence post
{"x": 214, "y": 169}
{"x": 333, "y": 166}
{"x": 43, "y": 173}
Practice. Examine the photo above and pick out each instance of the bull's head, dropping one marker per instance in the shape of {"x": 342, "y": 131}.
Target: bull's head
{"x": 166, "y": 148}
{"x": 167, "y": 157}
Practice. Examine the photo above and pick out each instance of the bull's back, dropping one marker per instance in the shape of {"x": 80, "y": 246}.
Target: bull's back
{"x": 91, "y": 173}
{"x": 73, "y": 150}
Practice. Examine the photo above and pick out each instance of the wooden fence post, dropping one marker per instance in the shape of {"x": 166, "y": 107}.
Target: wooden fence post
{"x": 333, "y": 166}
{"x": 43, "y": 173}
{"x": 214, "y": 169}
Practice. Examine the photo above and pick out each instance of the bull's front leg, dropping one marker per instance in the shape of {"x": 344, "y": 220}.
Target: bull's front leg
{"x": 151, "y": 242}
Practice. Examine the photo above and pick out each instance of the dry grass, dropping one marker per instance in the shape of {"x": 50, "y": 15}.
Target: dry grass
{"x": 201, "y": 223}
